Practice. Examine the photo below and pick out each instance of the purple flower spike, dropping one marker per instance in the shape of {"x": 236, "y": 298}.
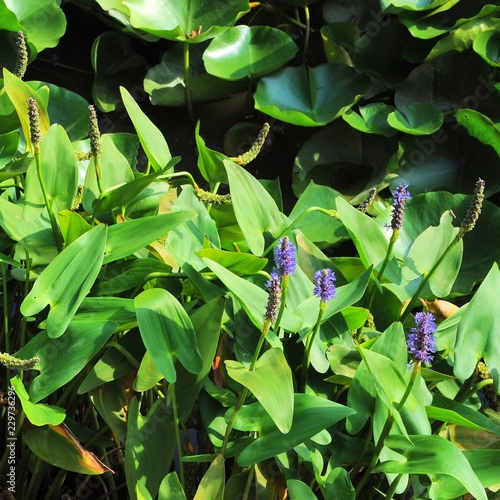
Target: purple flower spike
{"x": 398, "y": 207}
{"x": 284, "y": 256}
{"x": 324, "y": 281}
{"x": 274, "y": 301}
{"x": 421, "y": 340}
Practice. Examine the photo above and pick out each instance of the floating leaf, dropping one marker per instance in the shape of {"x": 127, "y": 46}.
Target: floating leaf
{"x": 421, "y": 118}
{"x": 248, "y": 52}
{"x": 310, "y": 97}
{"x": 480, "y": 126}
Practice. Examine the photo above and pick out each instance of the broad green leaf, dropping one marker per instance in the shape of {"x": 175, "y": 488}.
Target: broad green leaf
{"x": 252, "y": 298}
{"x": 72, "y": 225}
{"x": 248, "y": 52}
{"x": 431, "y": 455}
{"x": 421, "y": 118}
{"x": 58, "y": 446}
{"x": 210, "y": 162}
{"x": 19, "y": 92}
{"x": 255, "y": 209}
{"x": 171, "y": 488}
{"x": 241, "y": 264}
{"x": 207, "y": 323}
{"x": 130, "y": 236}
{"x": 418, "y": 5}
{"x": 38, "y": 414}
{"x": 179, "y": 21}
{"x": 486, "y": 466}
{"x": 299, "y": 490}
{"x": 312, "y": 414}
{"x": 479, "y": 126}
{"x": 372, "y": 119}
{"x": 426, "y": 251}
{"x": 152, "y": 140}
{"x": 447, "y": 410}
{"x": 338, "y": 38}
{"x": 67, "y": 280}
{"x": 212, "y": 483}
{"x": 338, "y": 485}
{"x": 310, "y": 97}
{"x": 477, "y": 332}
{"x": 487, "y": 45}
{"x": 150, "y": 447}
{"x": 271, "y": 383}
{"x": 147, "y": 375}
{"x": 62, "y": 358}
{"x": 167, "y": 332}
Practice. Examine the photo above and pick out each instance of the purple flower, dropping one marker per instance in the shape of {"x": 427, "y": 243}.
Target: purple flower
{"x": 284, "y": 256}
{"x": 274, "y": 301}
{"x": 324, "y": 281}
{"x": 398, "y": 206}
{"x": 421, "y": 339}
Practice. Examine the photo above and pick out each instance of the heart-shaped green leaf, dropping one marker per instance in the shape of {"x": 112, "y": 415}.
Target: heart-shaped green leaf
{"x": 167, "y": 332}
{"x": 310, "y": 97}
{"x": 67, "y": 280}
{"x": 421, "y": 118}
{"x": 271, "y": 383}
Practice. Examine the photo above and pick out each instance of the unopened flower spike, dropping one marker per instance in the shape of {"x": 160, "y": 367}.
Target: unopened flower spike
{"x": 284, "y": 257}
{"x": 365, "y": 206}
{"x": 16, "y": 363}
{"x": 94, "y": 134}
{"x": 421, "y": 339}
{"x": 253, "y": 152}
{"x": 324, "y": 284}
{"x": 274, "y": 301}
{"x": 401, "y": 194}
{"x": 217, "y": 199}
{"x": 22, "y": 55}
{"x": 474, "y": 210}
{"x": 34, "y": 118}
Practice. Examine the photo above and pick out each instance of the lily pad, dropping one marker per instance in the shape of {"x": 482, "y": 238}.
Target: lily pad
{"x": 372, "y": 119}
{"x": 248, "y": 52}
{"x": 487, "y": 45}
{"x": 420, "y": 118}
{"x": 310, "y": 97}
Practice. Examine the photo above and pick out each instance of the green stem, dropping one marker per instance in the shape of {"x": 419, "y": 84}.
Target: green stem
{"x": 26, "y": 292}
{"x": 47, "y": 200}
{"x": 389, "y": 254}
{"x": 387, "y": 428}
{"x": 284, "y": 294}
{"x": 282, "y": 13}
{"x": 177, "y": 433}
{"x": 5, "y": 312}
{"x": 187, "y": 81}
{"x": 309, "y": 344}
{"x": 307, "y": 34}
{"x": 244, "y": 392}
{"x": 98, "y": 173}
{"x": 248, "y": 484}
{"x": 426, "y": 277}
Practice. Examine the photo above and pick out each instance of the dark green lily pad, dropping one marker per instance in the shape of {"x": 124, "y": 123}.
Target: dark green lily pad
{"x": 310, "y": 97}
{"x": 421, "y": 118}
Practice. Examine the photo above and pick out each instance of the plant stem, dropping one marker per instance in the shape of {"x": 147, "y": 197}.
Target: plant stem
{"x": 309, "y": 344}
{"x": 426, "y": 277}
{"x": 307, "y": 33}
{"x": 244, "y": 392}
{"x": 284, "y": 293}
{"x": 177, "y": 433}
{"x": 47, "y": 199}
{"x": 187, "y": 81}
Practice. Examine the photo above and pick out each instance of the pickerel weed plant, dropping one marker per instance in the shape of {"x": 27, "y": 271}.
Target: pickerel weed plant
{"x": 169, "y": 337}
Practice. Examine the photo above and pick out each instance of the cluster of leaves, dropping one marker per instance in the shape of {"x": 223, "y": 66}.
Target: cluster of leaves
{"x": 135, "y": 316}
